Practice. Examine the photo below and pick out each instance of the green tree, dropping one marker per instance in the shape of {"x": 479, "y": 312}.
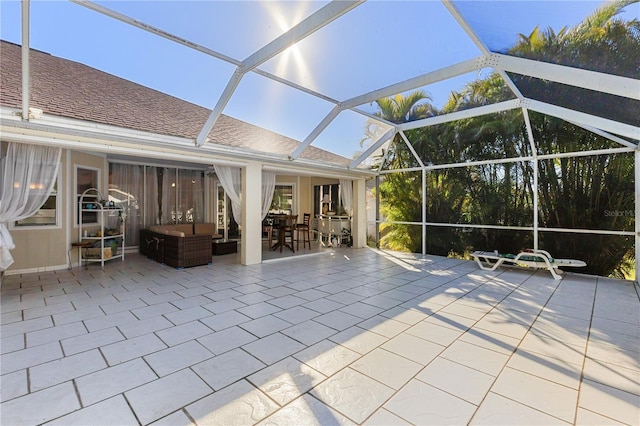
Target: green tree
{"x": 593, "y": 192}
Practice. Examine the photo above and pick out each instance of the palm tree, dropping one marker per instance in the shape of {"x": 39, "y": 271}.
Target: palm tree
{"x": 401, "y": 193}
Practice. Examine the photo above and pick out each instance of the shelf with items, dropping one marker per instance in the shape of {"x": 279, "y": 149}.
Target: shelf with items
{"x": 105, "y": 231}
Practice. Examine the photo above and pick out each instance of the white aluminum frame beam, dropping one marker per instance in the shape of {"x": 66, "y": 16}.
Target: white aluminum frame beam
{"x": 637, "y": 209}
{"x": 410, "y": 146}
{"x": 534, "y": 153}
{"x": 412, "y": 83}
{"x": 593, "y": 80}
{"x": 316, "y": 132}
{"x": 606, "y": 135}
{"x": 570, "y": 115}
{"x": 389, "y": 135}
{"x": 441, "y": 74}
{"x": 460, "y": 115}
{"x": 479, "y": 43}
{"x": 26, "y": 87}
{"x": 306, "y": 27}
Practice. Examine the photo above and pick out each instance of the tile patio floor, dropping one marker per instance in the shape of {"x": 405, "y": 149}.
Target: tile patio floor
{"x": 354, "y": 336}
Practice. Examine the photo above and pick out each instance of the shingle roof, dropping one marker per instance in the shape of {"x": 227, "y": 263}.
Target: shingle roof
{"x": 74, "y": 90}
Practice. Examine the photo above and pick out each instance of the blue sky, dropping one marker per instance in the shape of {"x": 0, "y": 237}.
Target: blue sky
{"x": 377, "y": 44}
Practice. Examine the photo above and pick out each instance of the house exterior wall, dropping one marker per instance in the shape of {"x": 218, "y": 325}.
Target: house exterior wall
{"x": 44, "y": 249}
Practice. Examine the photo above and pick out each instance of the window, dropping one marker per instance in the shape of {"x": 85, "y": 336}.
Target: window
{"x": 48, "y": 214}
{"x": 282, "y": 202}
{"x": 86, "y": 178}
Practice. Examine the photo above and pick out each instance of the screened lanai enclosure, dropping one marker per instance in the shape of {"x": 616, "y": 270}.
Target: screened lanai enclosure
{"x": 478, "y": 125}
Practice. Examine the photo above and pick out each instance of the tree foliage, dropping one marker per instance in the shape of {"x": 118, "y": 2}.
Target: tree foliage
{"x": 587, "y": 192}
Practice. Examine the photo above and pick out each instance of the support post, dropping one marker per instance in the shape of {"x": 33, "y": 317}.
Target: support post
{"x": 251, "y": 246}
{"x": 359, "y": 220}
{"x": 26, "y": 87}
{"x": 637, "y": 237}
{"x": 424, "y": 210}
{"x": 377, "y": 211}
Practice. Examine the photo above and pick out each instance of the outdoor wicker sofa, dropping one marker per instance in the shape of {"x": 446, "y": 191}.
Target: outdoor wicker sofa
{"x": 177, "y": 245}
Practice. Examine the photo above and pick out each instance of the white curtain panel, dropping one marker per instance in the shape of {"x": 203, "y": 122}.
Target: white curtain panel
{"x": 151, "y": 209}
{"x": 30, "y": 172}
{"x": 231, "y": 180}
{"x": 346, "y": 194}
{"x": 268, "y": 188}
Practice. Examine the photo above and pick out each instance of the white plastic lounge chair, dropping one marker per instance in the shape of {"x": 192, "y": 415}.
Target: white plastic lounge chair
{"x": 490, "y": 260}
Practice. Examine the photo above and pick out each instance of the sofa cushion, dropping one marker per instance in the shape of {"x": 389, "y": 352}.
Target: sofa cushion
{"x": 181, "y": 228}
{"x": 175, "y": 233}
{"x": 187, "y": 228}
{"x": 206, "y": 229}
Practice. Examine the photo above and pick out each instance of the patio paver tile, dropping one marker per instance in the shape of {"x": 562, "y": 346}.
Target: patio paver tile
{"x": 51, "y": 403}
{"x": 422, "y": 404}
{"x": 387, "y": 368}
{"x": 610, "y": 402}
{"x": 14, "y": 385}
{"x": 551, "y": 398}
{"x": 222, "y": 370}
{"x": 187, "y": 314}
{"x": 25, "y": 326}
{"x": 551, "y": 369}
{"x": 224, "y": 320}
{"x": 240, "y": 404}
{"x": 30, "y": 357}
{"x": 258, "y": 310}
{"x": 383, "y": 417}
{"x": 464, "y": 382}
{"x": 273, "y": 348}
{"x": 384, "y": 326}
{"x": 113, "y": 320}
{"x": 498, "y": 410}
{"x": 358, "y": 339}
{"x": 265, "y": 326}
{"x": 129, "y": 349}
{"x": 327, "y": 357}
{"x": 307, "y": 411}
{"x": 113, "y": 411}
{"x": 286, "y": 380}
{"x": 223, "y": 306}
{"x": 145, "y": 326}
{"x": 109, "y": 382}
{"x": 167, "y": 394}
{"x": 476, "y": 357}
{"x": 338, "y": 320}
{"x": 352, "y": 394}
{"x": 309, "y": 332}
{"x": 153, "y": 310}
{"x": 54, "y": 334}
{"x": 67, "y": 368}
{"x": 170, "y": 360}
{"x": 434, "y": 333}
{"x": 179, "y": 334}
{"x": 226, "y": 340}
{"x": 178, "y": 418}
{"x": 12, "y": 343}
{"x": 84, "y": 342}
{"x": 413, "y": 348}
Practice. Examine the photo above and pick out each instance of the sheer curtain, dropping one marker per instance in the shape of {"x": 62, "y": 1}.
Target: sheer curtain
{"x": 268, "y": 188}
{"x": 346, "y": 195}
{"x": 151, "y": 209}
{"x": 30, "y": 171}
{"x": 191, "y": 195}
{"x": 231, "y": 180}
{"x": 126, "y": 189}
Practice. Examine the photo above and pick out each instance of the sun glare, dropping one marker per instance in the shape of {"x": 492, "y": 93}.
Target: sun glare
{"x": 290, "y": 63}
